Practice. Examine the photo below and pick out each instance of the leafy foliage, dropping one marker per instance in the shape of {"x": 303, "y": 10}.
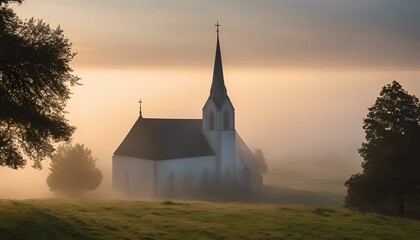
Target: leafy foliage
{"x": 261, "y": 163}
{"x": 73, "y": 170}
{"x": 35, "y": 80}
{"x": 391, "y": 153}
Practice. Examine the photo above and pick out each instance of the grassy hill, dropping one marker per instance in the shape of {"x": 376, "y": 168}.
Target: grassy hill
{"x": 115, "y": 219}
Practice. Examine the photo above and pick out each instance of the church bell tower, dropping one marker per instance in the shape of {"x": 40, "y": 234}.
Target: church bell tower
{"x": 219, "y": 124}
{"x": 218, "y": 112}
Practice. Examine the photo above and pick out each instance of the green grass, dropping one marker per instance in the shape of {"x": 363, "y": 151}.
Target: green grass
{"x": 115, "y": 219}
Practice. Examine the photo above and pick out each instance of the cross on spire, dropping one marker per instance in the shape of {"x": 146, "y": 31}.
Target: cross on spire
{"x": 218, "y": 89}
{"x": 140, "y": 102}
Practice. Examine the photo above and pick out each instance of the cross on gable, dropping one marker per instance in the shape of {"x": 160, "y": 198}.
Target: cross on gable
{"x": 140, "y": 102}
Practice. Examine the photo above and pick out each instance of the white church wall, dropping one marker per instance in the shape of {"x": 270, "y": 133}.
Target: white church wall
{"x": 223, "y": 144}
{"x": 227, "y": 107}
{"x": 213, "y": 139}
{"x": 179, "y": 176}
{"x": 207, "y": 109}
{"x": 243, "y": 174}
{"x": 218, "y": 115}
{"x": 249, "y": 179}
{"x": 133, "y": 177}
{"x": 227, "y": 155}
{"x": 256, "y": 177}
{"x": 240, "y": 165}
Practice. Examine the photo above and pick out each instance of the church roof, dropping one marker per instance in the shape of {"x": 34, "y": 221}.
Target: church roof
{"x": 162, "y": 139}
{"x": 218, "y": 90}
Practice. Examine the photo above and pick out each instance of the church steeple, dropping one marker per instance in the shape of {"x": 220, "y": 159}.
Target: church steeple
{"x": 218, "y": 90}
{"x": 218, "y": 112}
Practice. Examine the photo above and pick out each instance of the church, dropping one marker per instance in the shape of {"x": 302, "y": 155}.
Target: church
{"x": 161, "y": 158}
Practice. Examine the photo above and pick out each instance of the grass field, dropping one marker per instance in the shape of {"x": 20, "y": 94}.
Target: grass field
{"x": 115, "y": 219}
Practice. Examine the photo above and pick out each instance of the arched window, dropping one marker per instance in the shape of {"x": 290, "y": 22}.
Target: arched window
{"x": 226, "y": 120}
{"x": 127, "y": 183}
{"x": 206, "y": 181}
{"x": 227, "y": 176}
{"x": 211, "y": 120}
{"x": 188, "y": 181}
{"x": 171, "y": 184}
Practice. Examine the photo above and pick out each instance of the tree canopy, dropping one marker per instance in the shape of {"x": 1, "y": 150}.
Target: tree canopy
{"x": 391, "y": 154}
{"x": 35, "y": 81}
{"x": 261, "y": 164}
{"x": 73, "y": 170}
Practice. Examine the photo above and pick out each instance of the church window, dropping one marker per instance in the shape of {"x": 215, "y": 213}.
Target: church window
{"x": 206, "y": 178}
{"x": 211, "y": 120}
{"x": 171, "y": 185}
{"x": 226, "y": 120}
{"x": 227, "y": 176}
{"x": 246, "y": 176}
{"x": 188, "y": 181}
{"x": 127, "y": 182}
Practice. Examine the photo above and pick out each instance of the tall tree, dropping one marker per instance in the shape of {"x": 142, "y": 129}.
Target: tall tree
{"x": 35, "y": 80}
{"x": 73, "y": 171}
{"x": 391, "y": 153}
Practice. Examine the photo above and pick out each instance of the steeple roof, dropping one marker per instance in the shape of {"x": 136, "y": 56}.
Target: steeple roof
{"x": 218, "y": 90}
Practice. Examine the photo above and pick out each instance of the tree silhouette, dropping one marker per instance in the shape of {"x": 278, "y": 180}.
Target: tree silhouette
{"x": 261, "y": 163}
{"x": 35, "y": 80}
{"x": 73, "y": 171}
{"x": 391, "y": 153}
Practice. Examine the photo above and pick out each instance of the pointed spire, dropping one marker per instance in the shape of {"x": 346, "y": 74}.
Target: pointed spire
{"x": 218, "y": 89}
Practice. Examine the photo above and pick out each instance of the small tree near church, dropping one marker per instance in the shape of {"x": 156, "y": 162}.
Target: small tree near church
{"x": 261, "y": 164}
{"x": 391, "y": 153}
{"x": 73, "y": 171}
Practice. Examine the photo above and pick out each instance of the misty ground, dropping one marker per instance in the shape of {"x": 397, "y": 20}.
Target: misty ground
{"x": 311, "y": 184}
{"x": 315, "y": 183}
{"x": 299, "y": 183}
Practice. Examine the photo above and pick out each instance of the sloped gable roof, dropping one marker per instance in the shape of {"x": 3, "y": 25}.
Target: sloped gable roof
{"x": 162, "y": 139}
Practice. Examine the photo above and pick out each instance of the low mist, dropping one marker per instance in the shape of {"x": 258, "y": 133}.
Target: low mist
{"x": 308, "y": 124}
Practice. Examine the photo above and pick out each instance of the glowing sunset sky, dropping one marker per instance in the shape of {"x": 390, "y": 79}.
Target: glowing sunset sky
{"x": 374, "y": 34}
{"x": 301, "y": 74}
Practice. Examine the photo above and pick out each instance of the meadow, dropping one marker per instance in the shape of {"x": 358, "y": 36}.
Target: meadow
{"x": 118, "y": 219}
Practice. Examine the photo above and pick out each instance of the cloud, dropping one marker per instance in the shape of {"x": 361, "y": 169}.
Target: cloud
{"x": 375, "y": 34}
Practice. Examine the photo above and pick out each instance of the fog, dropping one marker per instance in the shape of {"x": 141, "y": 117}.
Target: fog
{"x": 308, "y": 124}
{"x": 301, "y": 75}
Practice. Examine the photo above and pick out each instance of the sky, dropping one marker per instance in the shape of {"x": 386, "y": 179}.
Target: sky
{"x": 301, "y": 74}
{"x": 375, "y": 34}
